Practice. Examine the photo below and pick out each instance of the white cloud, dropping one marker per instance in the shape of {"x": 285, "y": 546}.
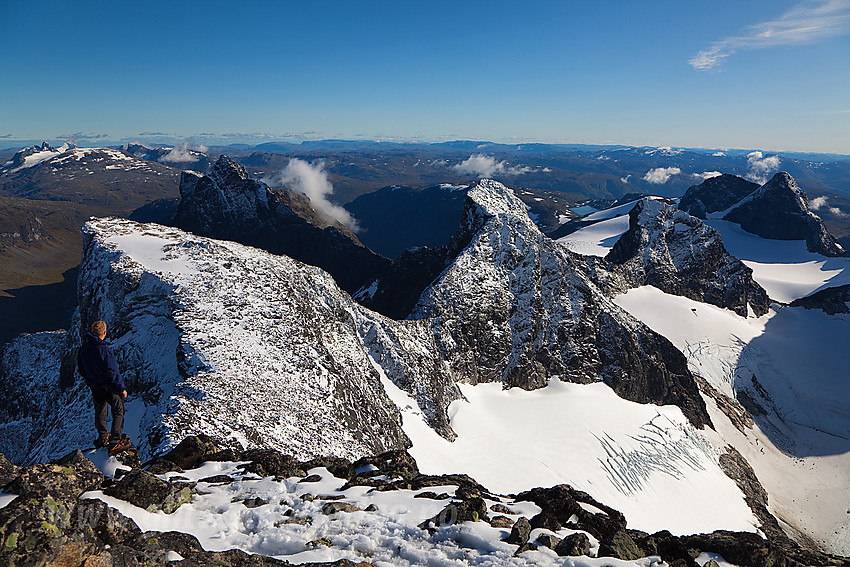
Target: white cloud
{"x": 487, "y": 166}
{"x": 719, "y": 154}
{"x": 661, "y": 175}
{"x": 761, "y": 167}
{"x": 707, "y": 175}
{"x": 182, "y": 154}
{"x": 822, "y": 204}
{"x": 312, "y": 180}
{"x": 807, "y": 22}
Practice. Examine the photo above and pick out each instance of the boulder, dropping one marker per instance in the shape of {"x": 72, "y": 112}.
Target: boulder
{"x": 190, "y": 452}
{"x": 501, "y": 522}
{"x": 64, "y": 478}
{"x": 620, "y": 545}
{"x": 268, "y": 462}
{"x": 334, "y": 507}
{"x": 520, "y": 532}
{"x": 546, "y": 521}
{"x": 142, "y": 489}
{"x": 548, "y": 540}
{"x": 574, "y": 545}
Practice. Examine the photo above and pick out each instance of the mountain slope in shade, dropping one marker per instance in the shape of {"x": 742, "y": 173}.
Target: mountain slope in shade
{"x": 715, "y": 194}
{"x": 227, "y": 204}
{"x": 779, "y": 209}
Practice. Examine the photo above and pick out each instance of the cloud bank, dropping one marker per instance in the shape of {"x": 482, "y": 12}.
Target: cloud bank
{"x": 487, "y": 166}
{"x": 707, "y": 175}
{"x": 182, "y": 154}
{"x": 761, "y": 167}
{"x": 661, "y": 175}
{"x": 822, "y": 204}
{"x": 807, "y": 22}
{"x": 312, "y": 180}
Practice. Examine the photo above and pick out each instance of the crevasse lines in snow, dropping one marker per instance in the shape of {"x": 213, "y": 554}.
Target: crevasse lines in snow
{"x": 659, "y": 450}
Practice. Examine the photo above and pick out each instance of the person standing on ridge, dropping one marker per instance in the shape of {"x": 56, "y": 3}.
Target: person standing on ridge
{"x": 97, "y": 365}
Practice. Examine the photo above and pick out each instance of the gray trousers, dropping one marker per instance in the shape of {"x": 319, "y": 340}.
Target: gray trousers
{"x": 102, "y": 400}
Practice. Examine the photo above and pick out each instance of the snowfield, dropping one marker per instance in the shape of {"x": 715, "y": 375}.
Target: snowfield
{"x": 784, "y": 268}
{"x": 800, "y": 448}
{"x": 598, "y": 238}
{"x": 624, "y": 453}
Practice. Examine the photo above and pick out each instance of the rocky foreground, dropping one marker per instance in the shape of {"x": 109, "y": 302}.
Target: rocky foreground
{"x": 60, "y": 515}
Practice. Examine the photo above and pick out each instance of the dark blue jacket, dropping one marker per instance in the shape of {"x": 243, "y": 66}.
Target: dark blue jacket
{"x": 97, "y": 365}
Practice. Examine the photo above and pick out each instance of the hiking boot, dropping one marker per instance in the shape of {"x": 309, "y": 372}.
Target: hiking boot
{"x": 100, "y": 442}
{"x": 118, "y": 446}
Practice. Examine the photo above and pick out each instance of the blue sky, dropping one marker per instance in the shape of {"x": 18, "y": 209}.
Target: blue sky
{"x": 772, "y": 75}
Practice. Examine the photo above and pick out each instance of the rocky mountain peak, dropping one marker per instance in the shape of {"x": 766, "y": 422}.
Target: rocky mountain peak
{"x": 780, "y": 210}
{"x": 495, "y": 199}
{"x": 227, "y": 172}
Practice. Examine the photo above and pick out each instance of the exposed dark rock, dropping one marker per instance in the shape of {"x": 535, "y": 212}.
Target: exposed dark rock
{"x": 142, "y": 489}
{"x": 397, "y": 290}
{"x": 191, "y": 451}
{"x": 779, "y": 209}
{"x": 548, "y": 540}
{"x": 621, "y": 546}
{"x": 832, "y": 300}
{"x": 268, "y": 462}
{"x": 738, "y": 412}
{"x": 218, "y": 479}
{"x": 573, "y": 545}
{"x": 738, "y": 469}
{"x": 561, "y": 502}
{"x": 715, "y": 194}
{"x": 500, "y": 508}
{"x": 334, "y": 507}
{"x": 501, "y": 522}
{"x": 510, "y": 281}
{"x": 227, "y": 204}
{"x": 545, "y": 520}
{"x": 8, "y": 471}
{"x": 337, "y": 466}
{"x": 62, "y": 479}
{"x": 255, "y": 502}
{"x": 679, "y": 254}
{"x": 520, "y": 532}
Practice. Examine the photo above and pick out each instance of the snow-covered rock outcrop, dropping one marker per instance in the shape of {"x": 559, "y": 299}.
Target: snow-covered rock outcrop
{"x": 679, "y": 254}
{"x": 219, "y": 338}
